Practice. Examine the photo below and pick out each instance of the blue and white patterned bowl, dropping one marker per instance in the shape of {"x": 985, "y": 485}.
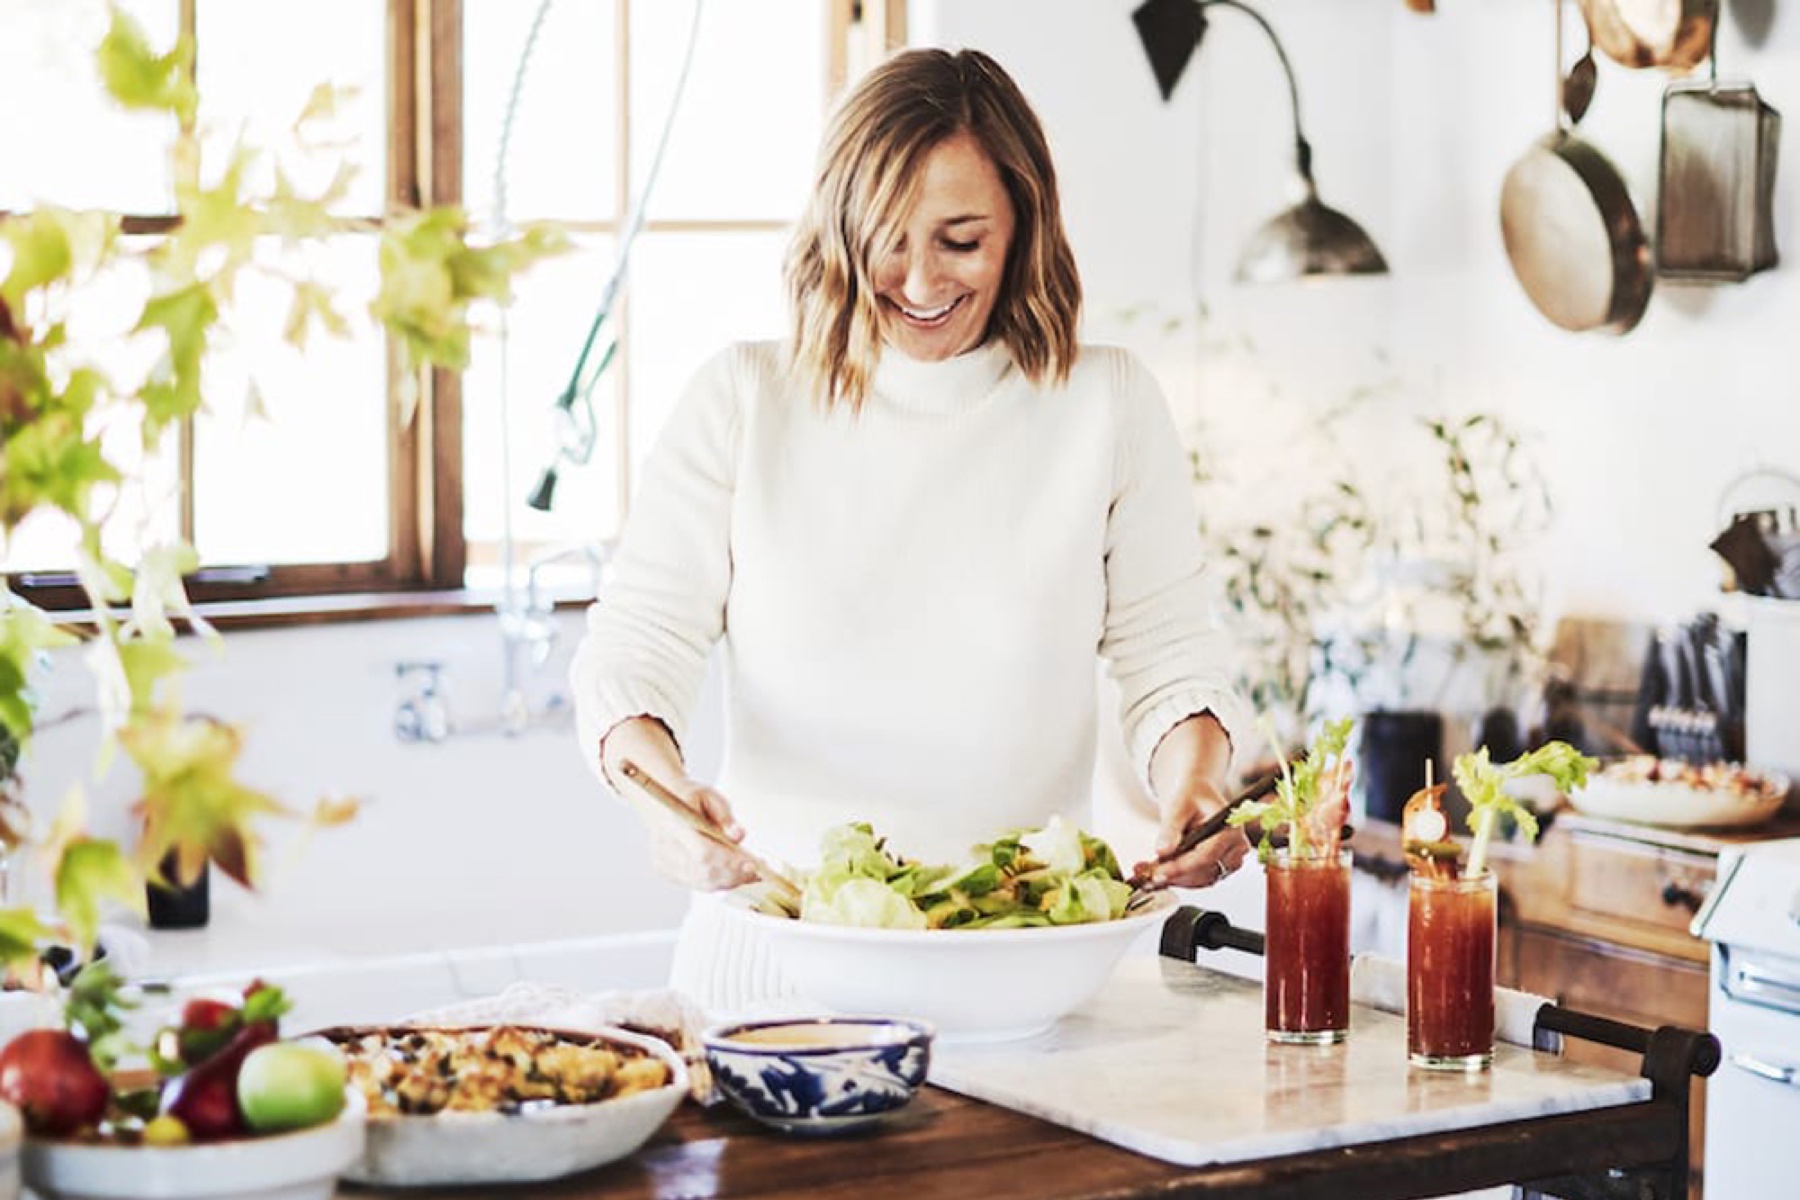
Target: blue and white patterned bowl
{"x": 819, "y": 1075}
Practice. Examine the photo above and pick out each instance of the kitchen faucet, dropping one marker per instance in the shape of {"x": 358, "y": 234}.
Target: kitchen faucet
{"x": 528, "y": 632}
{"x": 424, "y": 716}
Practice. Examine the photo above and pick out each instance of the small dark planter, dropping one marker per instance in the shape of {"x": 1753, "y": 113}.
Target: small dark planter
{"x": 1391, "y": 757}
{"x": 179, "y": 907}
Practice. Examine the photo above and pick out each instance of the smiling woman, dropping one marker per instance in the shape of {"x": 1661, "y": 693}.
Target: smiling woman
{"x": 910, "y": 526}
{"x": 939, "y": 282}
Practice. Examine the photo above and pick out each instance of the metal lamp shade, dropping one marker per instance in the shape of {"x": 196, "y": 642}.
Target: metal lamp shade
{"x": 1306, "y": 241}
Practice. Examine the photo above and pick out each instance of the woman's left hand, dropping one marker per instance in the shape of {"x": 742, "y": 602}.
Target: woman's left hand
{"x": 1184, "y": 772}
{"x": 1209, "y": 862}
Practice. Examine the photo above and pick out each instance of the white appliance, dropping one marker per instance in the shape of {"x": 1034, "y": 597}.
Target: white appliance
{"x": 1772, "y": 685}
{"x": 1752, "y": 919}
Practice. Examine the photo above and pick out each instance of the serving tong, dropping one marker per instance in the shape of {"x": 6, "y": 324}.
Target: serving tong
{"x": 1144, "y": 887}
{"x": 785, "y": 891}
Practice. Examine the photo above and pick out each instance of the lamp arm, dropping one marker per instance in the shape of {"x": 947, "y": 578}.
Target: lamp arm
{"x": 1302, "y": 148}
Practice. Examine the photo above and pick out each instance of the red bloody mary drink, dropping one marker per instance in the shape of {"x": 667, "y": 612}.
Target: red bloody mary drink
{"x": 1450, "y": 972}
{"x": 1306, "y": 954}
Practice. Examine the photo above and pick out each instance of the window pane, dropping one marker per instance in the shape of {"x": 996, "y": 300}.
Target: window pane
{"x": 561, "y": 148}
{"x": 258, "y": 62}
{"x": 100, "y": 313}
{"x": 545, "y": 328}
{"x": 290, "y": 458}
{"x": 63, "y": 141}
{"x": 744, "y": 140}
{"x": 691, "y": 296}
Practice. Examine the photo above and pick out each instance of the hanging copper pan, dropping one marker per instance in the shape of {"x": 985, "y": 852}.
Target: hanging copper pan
{"x": 1672, "y": 34}
{"x": 1572, "y": 233}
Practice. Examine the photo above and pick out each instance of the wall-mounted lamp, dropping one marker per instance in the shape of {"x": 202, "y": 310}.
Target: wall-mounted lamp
{"x": 1310, "y": 239}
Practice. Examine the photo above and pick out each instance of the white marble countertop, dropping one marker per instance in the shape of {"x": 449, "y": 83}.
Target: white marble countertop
{"x": 1170, "y": 1061}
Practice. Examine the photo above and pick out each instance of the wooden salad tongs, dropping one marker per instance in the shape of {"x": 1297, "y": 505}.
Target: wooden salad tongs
{"x": 786, "y": 891}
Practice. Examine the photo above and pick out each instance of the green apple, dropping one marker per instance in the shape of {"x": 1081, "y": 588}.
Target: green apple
{"x": 291, "y": 1085}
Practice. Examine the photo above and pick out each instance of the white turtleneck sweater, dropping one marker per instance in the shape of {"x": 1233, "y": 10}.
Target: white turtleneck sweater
{"x": 909, "y": 599}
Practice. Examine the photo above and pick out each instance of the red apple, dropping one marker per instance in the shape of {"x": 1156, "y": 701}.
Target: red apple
{"x": 49, "y": 1075}
{"x": 204, "y": 1012}
{"x": 207, "y": 1024}
{"x": 205, "y": 1097}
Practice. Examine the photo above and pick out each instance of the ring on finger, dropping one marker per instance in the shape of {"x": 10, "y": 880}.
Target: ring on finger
{"x": 1222, "y": 870}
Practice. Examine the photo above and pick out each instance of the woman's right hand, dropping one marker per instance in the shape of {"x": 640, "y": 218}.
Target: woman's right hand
{"x": 676, "y": 851}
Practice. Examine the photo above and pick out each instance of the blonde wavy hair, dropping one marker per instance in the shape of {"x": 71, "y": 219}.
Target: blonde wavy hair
{"x": 869, "y": 167}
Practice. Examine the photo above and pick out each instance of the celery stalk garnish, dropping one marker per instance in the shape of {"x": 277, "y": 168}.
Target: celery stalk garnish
{"x": 1297, "y": 792}
{"x": 1483, "y": 784}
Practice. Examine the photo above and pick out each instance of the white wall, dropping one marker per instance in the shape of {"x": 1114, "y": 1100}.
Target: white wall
{"x": 1414, "y": 122}
{"x": 482, "y": 840}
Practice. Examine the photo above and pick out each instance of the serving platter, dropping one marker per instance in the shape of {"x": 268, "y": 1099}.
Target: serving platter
{"x": 527, "y": 1144}
{"x": 1674, "y": 795}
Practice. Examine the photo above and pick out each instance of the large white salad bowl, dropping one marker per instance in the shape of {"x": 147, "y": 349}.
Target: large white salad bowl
{"x": 974, "y": 985}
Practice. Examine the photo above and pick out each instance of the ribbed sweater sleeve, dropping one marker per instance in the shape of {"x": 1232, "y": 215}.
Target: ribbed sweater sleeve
{"x": 663, "y": 605}
{"x": 1161, "y": 640}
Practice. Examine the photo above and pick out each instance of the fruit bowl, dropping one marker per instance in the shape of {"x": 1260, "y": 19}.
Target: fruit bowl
{"x": 973, "y": 985}
{"x": 303, "y": 1165}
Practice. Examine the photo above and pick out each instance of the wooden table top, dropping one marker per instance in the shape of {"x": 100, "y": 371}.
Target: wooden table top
{"x": 946, "y": 1147}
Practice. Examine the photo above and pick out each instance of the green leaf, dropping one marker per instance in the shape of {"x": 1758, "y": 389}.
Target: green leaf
{"x": 97, "y": 1008}
{"x": 158, "y": 589}
{"x": 26, "y": 631}
{"x": 266, "y": 1003}
{"x": 21, "y": 933}
{"x": 430, "y": 273}
{"x": 146, "y": 662}
{"x": 311, "y": 307}
{"x": 138, "y": 77}
{"x": 217, "y": 218}
{"x": 191, "y": 802}
{"x": 51, "y": 461}
{"x": 185, "y": 316}
{"x": 89, "y": 871}
{"x": 40, "y": 254}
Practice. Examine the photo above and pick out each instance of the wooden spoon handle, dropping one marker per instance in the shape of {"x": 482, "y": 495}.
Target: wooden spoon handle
{"x": 701, "y": 825}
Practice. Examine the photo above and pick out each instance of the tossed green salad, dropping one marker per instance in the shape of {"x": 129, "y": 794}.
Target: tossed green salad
{"x": 1057, "y": 875}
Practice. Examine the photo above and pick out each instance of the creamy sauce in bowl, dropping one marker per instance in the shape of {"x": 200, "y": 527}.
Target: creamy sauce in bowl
{"x": 817, "y": 1035}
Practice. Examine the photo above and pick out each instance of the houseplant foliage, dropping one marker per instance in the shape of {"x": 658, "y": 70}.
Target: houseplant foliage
{"x": 1452, "y": 563}
{"x": 1358, "y": 532}
{"x": 55, "y": 406}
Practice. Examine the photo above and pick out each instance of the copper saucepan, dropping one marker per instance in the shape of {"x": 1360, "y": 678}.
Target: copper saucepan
{"x": 1572, "y": 233}
{"x": 1673, "y": 34}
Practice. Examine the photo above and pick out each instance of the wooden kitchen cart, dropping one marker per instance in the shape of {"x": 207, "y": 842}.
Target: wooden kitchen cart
{"x": 949, "y": 1147}
{"x": 1595, "y": 915}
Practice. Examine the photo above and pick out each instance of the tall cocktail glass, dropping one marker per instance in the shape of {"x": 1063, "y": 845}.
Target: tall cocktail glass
{"x": 1450, "y": 972}
{"x": 1306, "y": 953}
